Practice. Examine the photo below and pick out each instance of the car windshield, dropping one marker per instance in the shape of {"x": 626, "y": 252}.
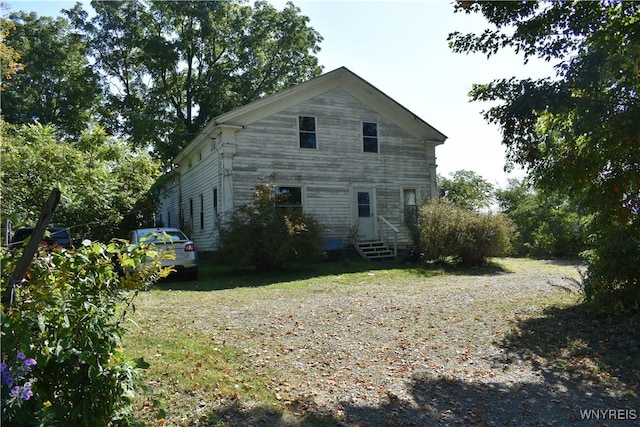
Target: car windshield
{"x": 53, "y": 236}
{"x": 151, "y": 236}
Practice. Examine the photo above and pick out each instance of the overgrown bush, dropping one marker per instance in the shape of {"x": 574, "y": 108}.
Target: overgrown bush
{"x": 448, "y": 231}
{"x": 612, "y": 280}
{"x": 268, "y": 231}
{"x": 62, "y": 361}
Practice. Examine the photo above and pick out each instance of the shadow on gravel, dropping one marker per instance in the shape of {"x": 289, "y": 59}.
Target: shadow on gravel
{"x": 588, "y": 370}
{"x": 446, "y": 401}
{"x": 570, "y": 347}
{"x": 587, "y": 373}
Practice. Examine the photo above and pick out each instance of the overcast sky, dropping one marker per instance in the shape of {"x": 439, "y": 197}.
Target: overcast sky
{"x": 401, "y": 48}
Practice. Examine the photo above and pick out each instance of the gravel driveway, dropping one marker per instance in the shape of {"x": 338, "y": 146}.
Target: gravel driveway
{"x": 444, "y": 350}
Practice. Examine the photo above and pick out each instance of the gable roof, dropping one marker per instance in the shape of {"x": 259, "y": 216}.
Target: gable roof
{"x": 338, "y": 78}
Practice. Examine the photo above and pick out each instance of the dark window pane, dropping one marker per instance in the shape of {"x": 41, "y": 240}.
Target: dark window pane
{"x": 369, "y": 129}
{"x": 289, "y": 196}
{"x": 364, "y": 205}
{"x": 307, "y": 140}
{"x": 363, "y": 198}
{"x": 364, "y": 211}
{"x": 307, "y": 124}
{"x": 370, "y": 145}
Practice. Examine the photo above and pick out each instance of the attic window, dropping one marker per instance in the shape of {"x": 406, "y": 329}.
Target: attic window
{"x": 307, "y": 131}
{"x": 370, "y": 137}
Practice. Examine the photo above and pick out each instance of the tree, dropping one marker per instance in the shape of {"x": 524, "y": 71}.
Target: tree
{"x": 9, "y": 58}
{"x": 548, "y": 224}
{"x": 101, "y": 180}
{"x": 467, "y": 189}
{"x": 54, "y": 84}
{"x": 175, "y": 65}
{"x": 578, "y": 133}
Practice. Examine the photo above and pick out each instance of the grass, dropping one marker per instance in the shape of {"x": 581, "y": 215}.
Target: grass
{"x": 191, "y": 367}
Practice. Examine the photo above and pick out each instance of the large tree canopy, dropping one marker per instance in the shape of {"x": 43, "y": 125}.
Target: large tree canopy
{"x": 174, "y": 65}
{"x": 578, "y": 132}
{"x": 54, "y": 82}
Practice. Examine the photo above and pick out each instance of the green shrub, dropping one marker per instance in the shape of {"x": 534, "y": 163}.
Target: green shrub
{"x": 612, "y": 280}
{"x": 61, "y": 331}
{"x": 268, "y": 232}
{"x": 449, "y": 231}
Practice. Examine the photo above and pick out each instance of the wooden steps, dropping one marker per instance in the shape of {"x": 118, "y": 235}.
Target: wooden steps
{"x": 375, "y": 251}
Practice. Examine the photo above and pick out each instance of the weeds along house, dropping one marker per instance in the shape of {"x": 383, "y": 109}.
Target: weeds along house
{"x": 344, "y": 151}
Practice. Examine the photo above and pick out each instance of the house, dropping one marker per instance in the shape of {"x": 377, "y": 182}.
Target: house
{"x": 343, "y": 151}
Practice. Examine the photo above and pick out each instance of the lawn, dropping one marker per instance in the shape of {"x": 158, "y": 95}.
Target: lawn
{"x": 359, "y": 343}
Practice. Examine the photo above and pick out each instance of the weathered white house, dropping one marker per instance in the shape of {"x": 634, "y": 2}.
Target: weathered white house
{"x": 343, "y": 150}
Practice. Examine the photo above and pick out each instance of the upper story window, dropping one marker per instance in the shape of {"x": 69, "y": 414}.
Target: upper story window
{"x": 307, "y": 131}
{"x": 289, "y": 197}
{"x": 369, "y": 137}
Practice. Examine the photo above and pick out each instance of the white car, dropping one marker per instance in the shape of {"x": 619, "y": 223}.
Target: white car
{"x": 171, "y": 239}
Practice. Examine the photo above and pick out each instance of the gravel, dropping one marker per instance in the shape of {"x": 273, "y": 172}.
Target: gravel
{"x": 440, "y": 350}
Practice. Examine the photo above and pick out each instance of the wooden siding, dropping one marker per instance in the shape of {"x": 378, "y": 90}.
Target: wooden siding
{"x": 234, "y": 159}
{"x": 168, "y": 214}
{"x": 338, "y": 163}
{"x": 200, "y": 179}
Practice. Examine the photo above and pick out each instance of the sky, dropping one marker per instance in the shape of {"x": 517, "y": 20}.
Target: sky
{"x": 401, "y": 48}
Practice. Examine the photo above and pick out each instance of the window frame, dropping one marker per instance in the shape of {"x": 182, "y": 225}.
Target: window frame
{"x": 201, "y": 211}
{"x": 307, "y": 132}
{"x": 296, "y": 206}
{"x": 364, "y": 137}
{"x": 215, "y": 205}
{"x": 413, "y": 216}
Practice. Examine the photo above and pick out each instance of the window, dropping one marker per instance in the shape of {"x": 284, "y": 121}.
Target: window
{"x": 201, "y": 212}
{"x": 307, "y": 131}
{"x": 370, "y": 137}
{"x": 364, "y": 204}
{"x": 215, "y": 203}
{"x": 289, "y": 197}
{"x": 410, "y": 205}
{"x": 190, "y": 213}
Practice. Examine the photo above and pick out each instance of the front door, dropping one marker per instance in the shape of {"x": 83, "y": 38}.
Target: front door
{"x": 364, "y": 209}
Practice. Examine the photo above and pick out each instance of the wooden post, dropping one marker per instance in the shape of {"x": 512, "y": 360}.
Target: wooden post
{"x": 32, "y": 246}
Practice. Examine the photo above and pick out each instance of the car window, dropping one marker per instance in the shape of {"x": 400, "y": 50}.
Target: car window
{"x": 20, "y": 236}
{"x": 60, "y": 237}
{"x": 53, "y": 236}
{"x": 157, "y": 236}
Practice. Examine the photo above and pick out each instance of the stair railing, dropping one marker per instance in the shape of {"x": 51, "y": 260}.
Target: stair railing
{"x": 395, "y": 233}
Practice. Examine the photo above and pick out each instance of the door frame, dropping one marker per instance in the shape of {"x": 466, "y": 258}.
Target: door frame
{"x": 366, "y": 230}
